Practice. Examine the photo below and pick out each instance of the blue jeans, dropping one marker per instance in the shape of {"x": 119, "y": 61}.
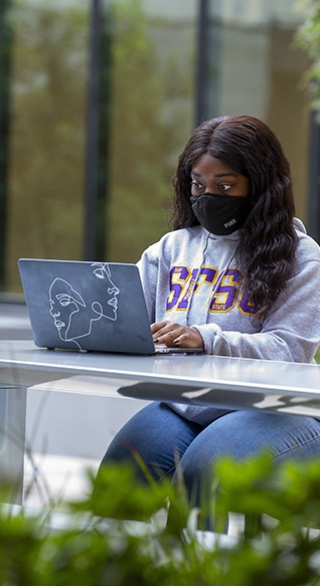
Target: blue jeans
{"x": 166, "y": 441}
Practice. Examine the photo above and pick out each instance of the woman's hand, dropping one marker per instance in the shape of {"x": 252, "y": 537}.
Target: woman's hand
{"x": 172, "y": 334}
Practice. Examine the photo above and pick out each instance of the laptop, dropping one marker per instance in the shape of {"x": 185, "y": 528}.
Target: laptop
{"x": 88, "y": 306}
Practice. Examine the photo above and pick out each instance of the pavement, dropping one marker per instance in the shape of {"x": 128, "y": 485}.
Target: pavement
{"x": 65, "y": 433}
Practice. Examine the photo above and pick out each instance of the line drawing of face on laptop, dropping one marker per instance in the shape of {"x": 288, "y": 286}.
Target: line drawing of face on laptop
{"x": 73, "y": 314}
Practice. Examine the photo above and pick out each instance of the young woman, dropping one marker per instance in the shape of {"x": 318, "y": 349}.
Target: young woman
{"x": 239, "y": 276}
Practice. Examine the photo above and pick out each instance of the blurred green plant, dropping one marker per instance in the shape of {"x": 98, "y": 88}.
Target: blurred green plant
{"x": 147, "y": 79}
{"x": 117, "y": 535}
{"x": 307, "y": 37}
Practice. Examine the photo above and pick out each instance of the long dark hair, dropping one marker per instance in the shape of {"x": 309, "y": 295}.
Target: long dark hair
{"x": 267, "y": 240}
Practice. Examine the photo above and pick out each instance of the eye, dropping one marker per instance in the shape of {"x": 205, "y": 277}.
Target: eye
{"x": 99, "y": 273}
{"x": 224, "y": 186}
{"x": 64, "y": 300}
{"x": 195, "y": 186}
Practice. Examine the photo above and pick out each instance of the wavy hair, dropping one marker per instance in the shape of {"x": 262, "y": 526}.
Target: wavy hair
{"x": 267, "y": 239}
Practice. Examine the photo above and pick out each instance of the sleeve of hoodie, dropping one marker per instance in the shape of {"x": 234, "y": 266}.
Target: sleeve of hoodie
{"x": 291, "y": 330}
{"x": 148, "y": 268}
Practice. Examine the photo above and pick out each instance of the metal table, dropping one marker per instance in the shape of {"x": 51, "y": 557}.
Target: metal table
{"x": 200, "y": 379}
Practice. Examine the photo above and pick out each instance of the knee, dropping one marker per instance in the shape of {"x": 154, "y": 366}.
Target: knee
{"x": 150, "y": 441}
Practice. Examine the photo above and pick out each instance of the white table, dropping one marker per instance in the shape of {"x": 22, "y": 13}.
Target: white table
{"x": 200, "y": 379}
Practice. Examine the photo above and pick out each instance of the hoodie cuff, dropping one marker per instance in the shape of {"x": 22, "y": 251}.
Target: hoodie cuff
{"x": 208, "y": 333}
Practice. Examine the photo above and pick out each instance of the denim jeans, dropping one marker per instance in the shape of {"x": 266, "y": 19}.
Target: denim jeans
{"x": 166, "y": 441}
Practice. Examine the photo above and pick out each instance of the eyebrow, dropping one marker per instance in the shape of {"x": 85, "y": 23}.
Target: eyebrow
{"x": 218, "y": 175}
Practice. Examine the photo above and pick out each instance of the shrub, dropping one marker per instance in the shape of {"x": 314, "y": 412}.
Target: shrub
{"x": 118, "y": 535}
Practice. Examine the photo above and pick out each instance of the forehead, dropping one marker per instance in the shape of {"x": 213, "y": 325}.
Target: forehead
{"x": 209, "y": 165}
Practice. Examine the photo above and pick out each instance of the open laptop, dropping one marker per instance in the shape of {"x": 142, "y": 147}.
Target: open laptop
{"x": 92, "y": 306}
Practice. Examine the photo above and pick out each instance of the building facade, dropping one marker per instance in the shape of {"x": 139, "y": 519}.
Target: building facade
{"x": 97, "y": 98}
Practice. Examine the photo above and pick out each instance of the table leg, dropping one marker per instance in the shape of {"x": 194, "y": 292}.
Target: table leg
{"x": 12, "y": 440}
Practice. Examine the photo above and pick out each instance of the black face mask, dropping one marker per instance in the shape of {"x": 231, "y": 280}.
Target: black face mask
{"x": 220, "y": 214}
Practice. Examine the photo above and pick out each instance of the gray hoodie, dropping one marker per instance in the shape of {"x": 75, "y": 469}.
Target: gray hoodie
{"x": 194, "y": 278}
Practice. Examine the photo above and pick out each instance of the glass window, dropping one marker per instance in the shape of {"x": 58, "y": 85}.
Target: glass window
{"x": 254, "y": 68}
{"x": 152, "y": 97}
{"x": 47, "y": 132}
{"x": 148, "y": 88}
{"x": 157, "y": 72}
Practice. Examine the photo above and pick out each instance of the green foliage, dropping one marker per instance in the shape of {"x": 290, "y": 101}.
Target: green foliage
{"x": 151, "y": 94}
{"x": 47, "y": 133}
{"x": 118, "y": 534}
{"x": 308, "y": 38}
{"x": 147, "y": 79}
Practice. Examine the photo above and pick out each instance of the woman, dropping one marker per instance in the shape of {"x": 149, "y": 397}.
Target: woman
{"x": 239, "y": 276}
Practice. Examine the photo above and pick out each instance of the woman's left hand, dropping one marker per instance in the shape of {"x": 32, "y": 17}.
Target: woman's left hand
{"x": 172, "y": 334}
